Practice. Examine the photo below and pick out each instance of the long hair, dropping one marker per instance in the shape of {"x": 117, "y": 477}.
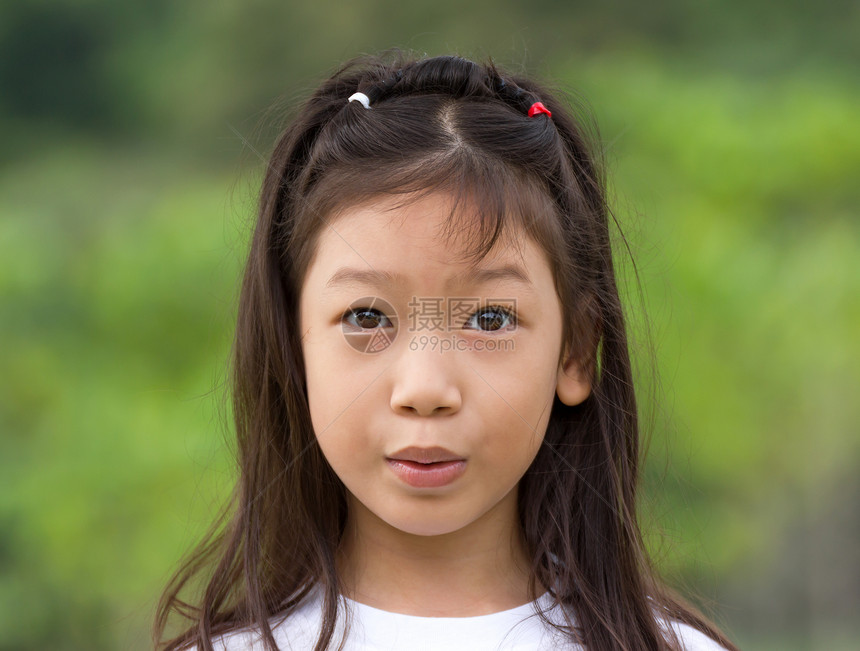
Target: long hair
{"x": 436, "y": 124}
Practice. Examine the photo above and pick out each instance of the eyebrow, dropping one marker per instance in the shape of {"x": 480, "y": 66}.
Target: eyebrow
{"x": 351, "y": 276}
{"x": 480, "y": 276}
{"x": 473, "y": 276}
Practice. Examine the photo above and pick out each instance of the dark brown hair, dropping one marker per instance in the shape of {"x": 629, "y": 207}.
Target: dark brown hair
{"x": 436, "y": 124}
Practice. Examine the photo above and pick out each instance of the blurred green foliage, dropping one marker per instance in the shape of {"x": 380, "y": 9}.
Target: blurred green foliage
{"x": 127, "y": 186}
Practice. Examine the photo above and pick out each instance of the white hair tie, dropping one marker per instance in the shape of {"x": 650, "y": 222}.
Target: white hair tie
{"x": 363, "y": 99}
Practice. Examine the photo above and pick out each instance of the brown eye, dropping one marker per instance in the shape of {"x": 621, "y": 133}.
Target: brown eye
{"x": 491, "y": 319}
{"x": 366, "y": 318}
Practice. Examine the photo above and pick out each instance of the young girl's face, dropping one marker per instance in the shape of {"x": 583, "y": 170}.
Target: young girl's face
{"x": 430, "y": 380}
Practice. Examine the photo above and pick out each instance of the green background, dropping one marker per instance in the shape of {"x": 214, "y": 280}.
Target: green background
{"x": 128, "y": 172}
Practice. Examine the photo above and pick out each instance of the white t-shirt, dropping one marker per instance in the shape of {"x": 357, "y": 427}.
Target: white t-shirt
{"x": 371, "y": 629}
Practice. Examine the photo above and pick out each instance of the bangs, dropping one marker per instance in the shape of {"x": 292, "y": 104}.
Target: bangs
{"x": 490, "y": 203}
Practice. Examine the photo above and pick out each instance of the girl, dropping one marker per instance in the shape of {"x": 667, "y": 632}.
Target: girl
{"x": 438, "y": 440}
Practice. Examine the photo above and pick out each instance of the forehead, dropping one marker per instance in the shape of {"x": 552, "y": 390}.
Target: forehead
{"x": 456, "y": 226}
{"x": 399, "y": 241}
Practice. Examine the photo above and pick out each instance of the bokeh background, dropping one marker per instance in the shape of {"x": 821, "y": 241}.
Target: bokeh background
{"x": 129, "y": 142}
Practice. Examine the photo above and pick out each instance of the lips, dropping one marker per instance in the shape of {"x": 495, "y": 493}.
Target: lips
{"x": 425, "y": 455}
{"x": 426, "y": 467}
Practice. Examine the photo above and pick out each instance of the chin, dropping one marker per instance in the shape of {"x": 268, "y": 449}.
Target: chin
{"x": 417, "y": 526}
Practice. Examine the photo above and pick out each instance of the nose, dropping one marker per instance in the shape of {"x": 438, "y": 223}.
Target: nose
{"x": 426, "y": 383}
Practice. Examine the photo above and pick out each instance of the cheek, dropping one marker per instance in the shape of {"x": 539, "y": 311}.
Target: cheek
{"x": 326, "y": 376}
{"x": 517, "y": 406}
{"x": 339, "y": 398}
{"x": 341, "y": 444}
{"x": 521, "y": 386}
{"x": 320, "y": 404}
{"x": 515, "y": 415}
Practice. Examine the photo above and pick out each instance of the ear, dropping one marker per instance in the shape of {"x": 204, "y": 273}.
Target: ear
{"x": 574, "y": 384}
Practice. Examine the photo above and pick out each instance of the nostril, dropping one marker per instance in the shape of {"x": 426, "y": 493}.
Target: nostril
{"x": 425, "y": 397}
{"x": 436, "y": 411}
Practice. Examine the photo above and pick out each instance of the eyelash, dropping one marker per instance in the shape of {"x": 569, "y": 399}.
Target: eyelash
{"x": 506, "y": 315}
{"x": 354, "y": 311}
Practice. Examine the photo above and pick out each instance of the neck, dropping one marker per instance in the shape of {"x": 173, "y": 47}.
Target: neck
{"x": 479, "y": 569}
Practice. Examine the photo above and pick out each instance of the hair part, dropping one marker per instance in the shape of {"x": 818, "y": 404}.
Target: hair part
{"x": 437, "y": 125}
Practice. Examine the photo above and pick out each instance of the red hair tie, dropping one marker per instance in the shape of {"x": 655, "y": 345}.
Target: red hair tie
{"x": 538, "y": 107}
